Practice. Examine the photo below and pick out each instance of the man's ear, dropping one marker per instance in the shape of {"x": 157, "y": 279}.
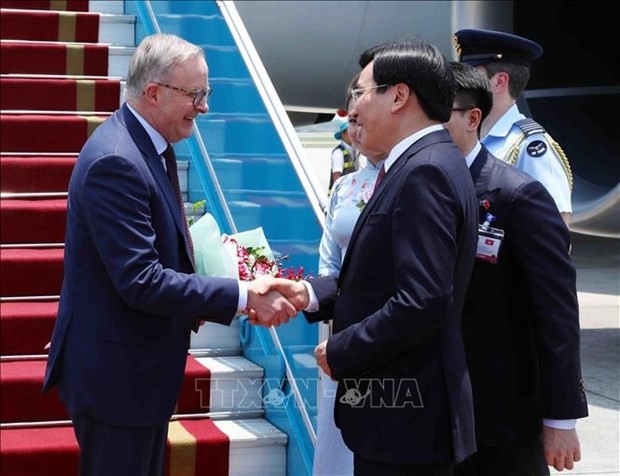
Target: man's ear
{"x": 402, "y": 95}
{"x": 499, "y": 81}
{"x": 474, "y": 117}
{"x": 152, "y": 93}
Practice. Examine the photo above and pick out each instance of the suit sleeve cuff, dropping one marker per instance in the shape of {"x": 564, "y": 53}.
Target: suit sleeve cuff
{"x": 242, "y": 303}
{"x": 313, "y": 302}
{"x": 560, "y": 424}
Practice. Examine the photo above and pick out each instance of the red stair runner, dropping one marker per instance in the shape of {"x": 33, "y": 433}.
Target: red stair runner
{"x": 31, "y": 272}
{"x": 30, "y": 174}
{"x": 22, "y": 400}
{"x": 41, "y": 94}
{"x": 53, "y": 58}
{"x": 194, "y": 446}
{"x": 64, "y": 5}
{"x": 53, "y": 133}
{"x": 33, "y": 221}
{"x": 26, "y": 327}
{"x": 38, "y": 151}
{"x": 49, "y": 26}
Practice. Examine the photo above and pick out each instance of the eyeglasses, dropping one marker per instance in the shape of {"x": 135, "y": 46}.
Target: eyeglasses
{"x": 359, "y": 92}
{"x": 197, "y": 96}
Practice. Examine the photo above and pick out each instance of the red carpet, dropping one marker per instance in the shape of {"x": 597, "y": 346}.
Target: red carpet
{"x": 38, "y": 151}
{"x": 195, "y": 389}
{"x": 53, "y": 58}
{"x": 29, "y": 174}
{"x": 26, "y": 327}
{"x": 54, "y": 133}
{"x": 31, "y": 272}
{"x": 22, "y": 400}
{"x": 33, "y": 221}
{"x": 49, "y": 26}
{"x": 195, "y": 447}
{"x": 60, "y": 94}
{"x": 64, "y": 5}
{"x": 49, "y": 451}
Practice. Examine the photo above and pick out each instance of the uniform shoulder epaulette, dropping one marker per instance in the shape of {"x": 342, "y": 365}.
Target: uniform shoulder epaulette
{"x": 528, "y": 127}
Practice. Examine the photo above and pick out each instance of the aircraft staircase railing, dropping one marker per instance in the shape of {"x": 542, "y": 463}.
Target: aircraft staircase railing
{"x": 250, "y": 170}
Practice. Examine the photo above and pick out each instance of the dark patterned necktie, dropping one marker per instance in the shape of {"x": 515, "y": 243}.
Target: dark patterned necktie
{"x": 380, "y": 176}
{"x": 171, "y": 167}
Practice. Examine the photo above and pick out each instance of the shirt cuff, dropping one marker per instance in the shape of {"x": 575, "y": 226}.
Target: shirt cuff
{"x": 313, "y": 302}
{"x": 242, "y": 303}
{"x": 560, "y": 424}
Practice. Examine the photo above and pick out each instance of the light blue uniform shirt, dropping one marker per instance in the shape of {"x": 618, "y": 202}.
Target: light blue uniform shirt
{"x": 546, "y": 168}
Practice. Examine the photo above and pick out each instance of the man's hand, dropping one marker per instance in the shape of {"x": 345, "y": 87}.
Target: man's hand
{"x": 267, "y": 307}
{"x": 295, "y": 291}
{"x": 561, "y": 447}
{"x": 320, "y": 353}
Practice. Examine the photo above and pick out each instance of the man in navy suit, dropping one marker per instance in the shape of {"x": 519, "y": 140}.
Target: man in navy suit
{"x": 521, "y": 316}
{"x": 130, "y": 297}
{"x": 404, "y": 399}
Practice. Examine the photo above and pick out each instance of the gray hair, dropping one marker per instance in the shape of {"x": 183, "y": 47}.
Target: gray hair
{"x": 155, "y": 57}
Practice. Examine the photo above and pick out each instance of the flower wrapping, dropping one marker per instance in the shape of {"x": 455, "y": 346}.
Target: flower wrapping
{"x": 211, "y": 256}
{"x": 244, "y": 255}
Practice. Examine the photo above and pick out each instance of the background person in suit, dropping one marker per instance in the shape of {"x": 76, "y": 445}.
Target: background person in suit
{"x": 521, "y": 316}
{"x": 129, "y": 297}
{"x": 404, "y": 399}
{"x": 506, "y": 60}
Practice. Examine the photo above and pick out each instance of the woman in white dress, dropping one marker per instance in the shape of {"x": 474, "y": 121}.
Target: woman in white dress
{"x": 349, "y": 195}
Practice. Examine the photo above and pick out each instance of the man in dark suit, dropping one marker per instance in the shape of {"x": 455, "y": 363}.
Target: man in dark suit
{"x": 129, "y": 298}
{"x": 521, "y": 316}
{"x": 404, "y": 399}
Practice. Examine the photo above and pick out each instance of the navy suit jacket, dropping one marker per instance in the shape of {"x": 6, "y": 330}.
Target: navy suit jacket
{"x": 129, "y": 297}
{"x": 521, "y": 316}
{"x": 404, "y": 394}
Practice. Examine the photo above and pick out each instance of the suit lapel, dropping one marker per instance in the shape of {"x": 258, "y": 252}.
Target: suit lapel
{"x": 480, "y": 171}
{"x": 154, "y": 162}
{"x": 388, "y": 184}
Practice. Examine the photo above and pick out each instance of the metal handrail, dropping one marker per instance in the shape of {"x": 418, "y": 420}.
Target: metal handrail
{"x": 290, "y": 141}
{"x": 278, "y": 115}
{"x": 294, "y": 150}
{"x": 230, "y": 415}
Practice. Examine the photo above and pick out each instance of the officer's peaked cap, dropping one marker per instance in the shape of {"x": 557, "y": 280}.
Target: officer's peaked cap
{"x": 476, "y": 47}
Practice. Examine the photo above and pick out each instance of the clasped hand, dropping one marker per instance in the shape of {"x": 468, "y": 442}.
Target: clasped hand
{"x": 274, "y": 301}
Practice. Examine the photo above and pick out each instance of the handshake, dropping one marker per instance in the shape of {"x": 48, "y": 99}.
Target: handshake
{"x": 273, "y": 301}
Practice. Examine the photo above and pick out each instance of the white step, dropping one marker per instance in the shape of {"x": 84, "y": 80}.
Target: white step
{"x": 115, "y": 7}
{"x": 257, "y": 448}
{"x": 236, "y": 384}
{"x": 118, "y": 60}
{"x": 118, "y": 30}
{"x": 217, "y": 338}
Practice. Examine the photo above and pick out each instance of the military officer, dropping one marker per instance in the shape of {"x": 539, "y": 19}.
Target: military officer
{"x": 506, "y": 59}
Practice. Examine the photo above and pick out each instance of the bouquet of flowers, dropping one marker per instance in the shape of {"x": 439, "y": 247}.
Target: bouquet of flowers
{"x": 244, "y": 256}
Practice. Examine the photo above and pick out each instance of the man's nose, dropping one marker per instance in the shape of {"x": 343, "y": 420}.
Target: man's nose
{"x": 203, "y": 106}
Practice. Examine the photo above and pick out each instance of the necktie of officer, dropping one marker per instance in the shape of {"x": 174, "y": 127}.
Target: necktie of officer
{"x": 380, "y": 176}
{"x": 171, "y": 166}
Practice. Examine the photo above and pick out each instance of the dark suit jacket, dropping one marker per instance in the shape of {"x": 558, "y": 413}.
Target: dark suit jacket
{"x": 521, "y": 316}
{"x": 128, "y": 298}
{"x": 396, "y": 310}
